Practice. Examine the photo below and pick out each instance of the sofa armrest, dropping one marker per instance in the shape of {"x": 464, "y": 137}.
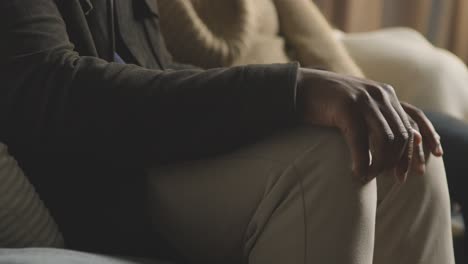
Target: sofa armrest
{"x": 60, "y": 256}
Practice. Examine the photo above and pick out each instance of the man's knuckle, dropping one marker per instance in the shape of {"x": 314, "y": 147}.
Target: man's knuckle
{"x": 406, "y": 135}
{"x": 401, "y": 138}
{"x": 418, "y": 111}
{"x": 351, "y": 99}
{"x": 413, "y": 110}
{"x": 388, "y": 88}
{"x": 388, "y": 139}
{"x": 410, "y": 129}
{"x": 377, "y": 93}
{"x": 364, "y": 97}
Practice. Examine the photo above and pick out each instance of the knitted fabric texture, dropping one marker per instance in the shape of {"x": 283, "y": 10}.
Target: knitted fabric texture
{"x": 232, "y": 32}
{"x": 197, "y": 35}
{"x": 25, "y": 221}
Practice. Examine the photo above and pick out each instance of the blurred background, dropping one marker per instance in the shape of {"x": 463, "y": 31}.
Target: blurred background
{"x": 443, "y": 22}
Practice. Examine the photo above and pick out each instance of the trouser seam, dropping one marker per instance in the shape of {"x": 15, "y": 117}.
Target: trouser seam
{"x": 299, "y": 181}
{"x": 288, "y": 165}
{"x": 304, "y": 212}
{"x": 248, "y": 236}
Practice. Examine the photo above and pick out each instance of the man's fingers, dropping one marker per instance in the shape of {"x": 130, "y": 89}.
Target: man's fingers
{"x": 354, "y": 130}
{"x": 419, "y": 160}
{"x": 418, "y": 139}
{"x": 399, "y": 155}
{"x": 402, "y": 135}
{"x": 428, "y": 132}
{"x": 405, "y": 163}
{"x": 382, "y": 138}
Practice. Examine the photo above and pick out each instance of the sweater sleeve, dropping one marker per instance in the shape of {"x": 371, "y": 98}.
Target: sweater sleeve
{"x": 312, "y": 38}
{"x": 218, "y": 31}
{"x": 53, "y": 98}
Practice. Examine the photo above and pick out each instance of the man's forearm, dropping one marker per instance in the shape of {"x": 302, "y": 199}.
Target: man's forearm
{"x": 51, "y": 92}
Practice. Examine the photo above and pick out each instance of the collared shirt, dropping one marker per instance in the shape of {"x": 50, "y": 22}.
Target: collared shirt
{"x": 118, "y": 59}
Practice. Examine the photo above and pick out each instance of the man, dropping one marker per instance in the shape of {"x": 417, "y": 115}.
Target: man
{"x": 85, "y": 129}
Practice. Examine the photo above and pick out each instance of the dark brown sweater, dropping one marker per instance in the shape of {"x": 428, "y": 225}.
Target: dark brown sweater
{"x": 85, "y": 129}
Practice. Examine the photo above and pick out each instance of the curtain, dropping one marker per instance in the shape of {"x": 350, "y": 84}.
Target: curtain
{"x": 444, "y": 22}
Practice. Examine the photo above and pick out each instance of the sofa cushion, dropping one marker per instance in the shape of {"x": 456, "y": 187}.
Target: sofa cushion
{"x": 25, "y": 221}
{"x": 61, "y": 256}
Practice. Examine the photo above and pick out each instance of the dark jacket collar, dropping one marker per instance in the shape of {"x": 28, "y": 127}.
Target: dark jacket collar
{"x": 100, "y": 17}
{"x": 87, "y": 6}
{"x": 90, "y": 24}
{"x": 141, "y": 33}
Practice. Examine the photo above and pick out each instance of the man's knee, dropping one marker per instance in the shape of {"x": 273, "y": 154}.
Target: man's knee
{"x": 319, "y": 156}
{"x": 307, "y": 145}
{"x": 326, "y": 169}
{"x": 314, "y": 187}
{"x": 329, "y": 157}
{"x": 433, "y": 184}
{"x": 428, "y": 191}
{"x": 322, "y": 169}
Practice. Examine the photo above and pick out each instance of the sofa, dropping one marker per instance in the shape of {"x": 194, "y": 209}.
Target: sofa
{"x": 28, "y": 233}
{"x": 61, "y": 256}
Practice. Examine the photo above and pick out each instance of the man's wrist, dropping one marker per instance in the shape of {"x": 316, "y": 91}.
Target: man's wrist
{"x": 300, "y": 102}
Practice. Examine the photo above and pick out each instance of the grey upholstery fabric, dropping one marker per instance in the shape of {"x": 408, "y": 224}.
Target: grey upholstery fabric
{"x": 60, "y": 256}
{"x": 25, "y": 221}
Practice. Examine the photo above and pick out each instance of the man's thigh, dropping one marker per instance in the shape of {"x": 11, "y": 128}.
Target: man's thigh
{"x": 209, "y": 209}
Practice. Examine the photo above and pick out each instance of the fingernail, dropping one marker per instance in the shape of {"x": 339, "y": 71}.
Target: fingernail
{"x": 417, "y": 137}
{"x": 439, "y": 151}
{"x": 422, "y": 159}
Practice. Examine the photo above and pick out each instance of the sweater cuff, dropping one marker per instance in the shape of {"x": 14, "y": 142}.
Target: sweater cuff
{"x": 277, "y": 102}
{"x": 292, "y": 86}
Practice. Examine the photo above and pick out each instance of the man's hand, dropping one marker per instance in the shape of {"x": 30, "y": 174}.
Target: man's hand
{"x": 382, "y": 133}
{"x": 431, "y": 140}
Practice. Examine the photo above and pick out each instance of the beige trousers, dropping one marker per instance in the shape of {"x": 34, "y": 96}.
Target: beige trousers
{"x": 292, "y": 199}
